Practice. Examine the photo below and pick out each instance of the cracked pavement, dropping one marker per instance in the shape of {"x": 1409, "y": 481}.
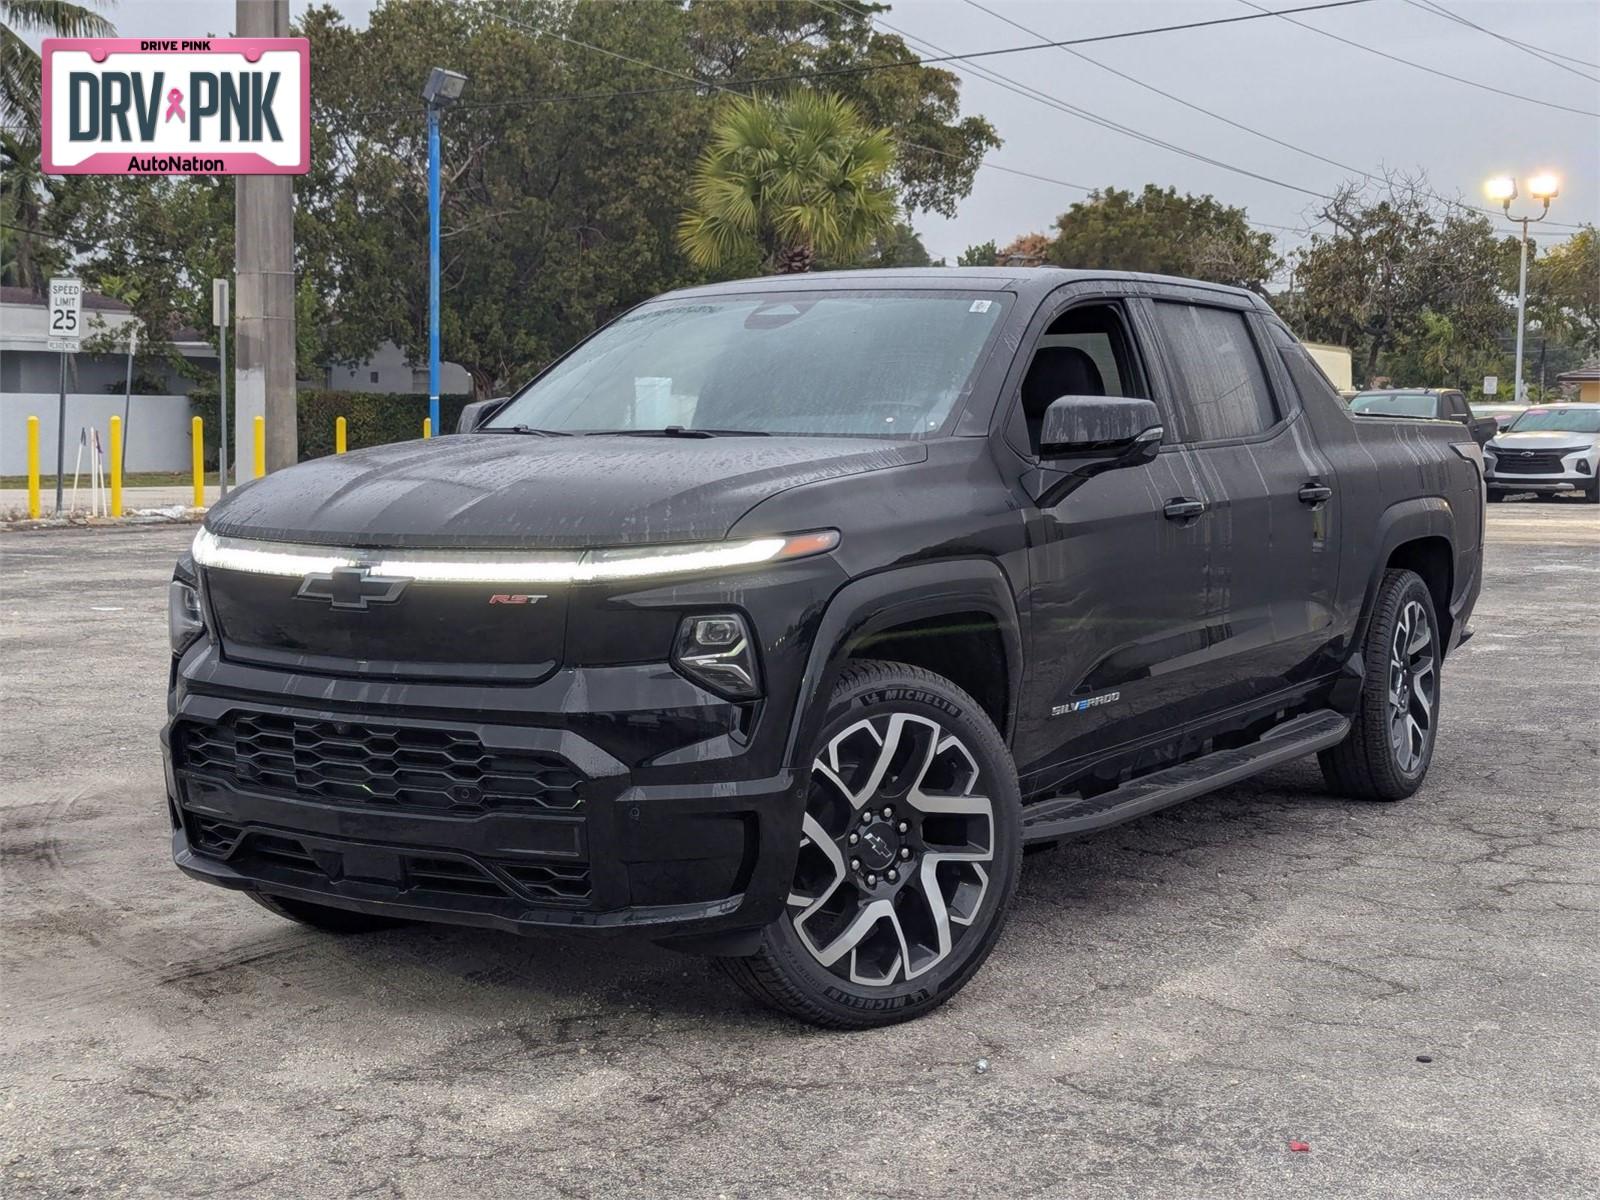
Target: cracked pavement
{"x": 1172, "y": 1002}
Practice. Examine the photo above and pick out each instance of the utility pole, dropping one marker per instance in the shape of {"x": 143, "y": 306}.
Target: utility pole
{"x": 263, "y": 249}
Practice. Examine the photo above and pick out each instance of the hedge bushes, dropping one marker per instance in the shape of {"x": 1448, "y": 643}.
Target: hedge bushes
{"x": 372, "y": 418}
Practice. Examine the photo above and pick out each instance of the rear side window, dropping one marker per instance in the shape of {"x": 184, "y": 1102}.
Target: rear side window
{"x": 1221, "y": 381}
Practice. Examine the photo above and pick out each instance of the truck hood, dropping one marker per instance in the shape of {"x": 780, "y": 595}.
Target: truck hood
{"x": 1542, "y": 439}
{"x": 515, "y": 490}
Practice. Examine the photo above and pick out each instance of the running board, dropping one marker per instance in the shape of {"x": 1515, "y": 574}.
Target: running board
{"x": 1069, "y": 815}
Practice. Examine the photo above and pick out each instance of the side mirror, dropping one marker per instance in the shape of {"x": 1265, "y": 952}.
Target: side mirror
{"x": 477, "y": 412}
{"x": 1090, "y": 434}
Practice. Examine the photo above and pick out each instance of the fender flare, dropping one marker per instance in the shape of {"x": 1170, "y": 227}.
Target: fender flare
{"x": 879, "y": 601}
{"x": 1405, "y": 521}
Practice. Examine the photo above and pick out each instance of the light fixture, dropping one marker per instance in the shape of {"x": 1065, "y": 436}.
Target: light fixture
{"x": 1544, "y": 186}
{"x": 443, "y": 87}
{"x": 185, "y": 623}
{"x": 1502, "y": 188}
{"x": 508, "y": 567}
{"x": 716, "y": 651}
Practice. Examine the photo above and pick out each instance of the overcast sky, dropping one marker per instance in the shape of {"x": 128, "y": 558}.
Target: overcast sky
{"x": 1296, "y": 85}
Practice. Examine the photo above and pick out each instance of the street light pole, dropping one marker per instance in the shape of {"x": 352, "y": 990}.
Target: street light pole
{"x": 1522, "y": 306}
{"x": 442, "y": 90}
{"x": 433, "y": 268}
{"x": 1543, "y": 187}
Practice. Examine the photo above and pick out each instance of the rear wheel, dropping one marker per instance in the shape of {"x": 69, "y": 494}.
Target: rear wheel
{"x": 322, "y": 916}
{"x": 1386, "y": 755}
{"x": 910, "y": 849}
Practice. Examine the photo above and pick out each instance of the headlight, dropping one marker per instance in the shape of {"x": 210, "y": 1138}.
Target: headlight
{"x": 185, "y": 625}
{"x": 510, "y": 567}
{"x": 715, "y": 649}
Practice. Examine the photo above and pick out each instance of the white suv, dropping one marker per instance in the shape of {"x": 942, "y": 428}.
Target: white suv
{"x": 1550, "y": 449}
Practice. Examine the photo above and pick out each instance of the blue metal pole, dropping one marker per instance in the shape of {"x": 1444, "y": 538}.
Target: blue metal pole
{"x": 433, "y": 268}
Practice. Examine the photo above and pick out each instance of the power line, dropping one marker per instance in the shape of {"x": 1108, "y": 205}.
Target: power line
{"x": 1406, "y": 62}
{"x": 1150, "y": 87}
{"x": 1032, "y": 93}
{"x": 868, "y": 68}
{"x": 1439, "y": 10}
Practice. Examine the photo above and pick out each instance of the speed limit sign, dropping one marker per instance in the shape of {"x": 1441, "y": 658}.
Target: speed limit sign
{"x": 66, "y": 313}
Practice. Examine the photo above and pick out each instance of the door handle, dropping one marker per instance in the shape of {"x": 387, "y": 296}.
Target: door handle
{"x": 1314, "y": 493}
{"x": 1182, "y": 509}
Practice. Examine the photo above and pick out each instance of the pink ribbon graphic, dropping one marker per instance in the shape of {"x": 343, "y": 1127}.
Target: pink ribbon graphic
{"x": 175, "y": 106}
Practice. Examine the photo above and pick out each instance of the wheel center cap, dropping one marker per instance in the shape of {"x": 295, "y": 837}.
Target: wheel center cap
{"x": 879, "y": 846}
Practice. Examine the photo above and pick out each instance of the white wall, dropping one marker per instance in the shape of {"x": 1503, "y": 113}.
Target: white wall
{"x": 156, "y": 437}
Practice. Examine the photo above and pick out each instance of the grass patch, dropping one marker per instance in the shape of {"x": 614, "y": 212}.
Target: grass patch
{"x": 47, "y": 483}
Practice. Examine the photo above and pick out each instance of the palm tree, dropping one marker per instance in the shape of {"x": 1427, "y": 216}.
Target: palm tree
{"x": 789, "y": 180}
{"x": 19, "y": 62}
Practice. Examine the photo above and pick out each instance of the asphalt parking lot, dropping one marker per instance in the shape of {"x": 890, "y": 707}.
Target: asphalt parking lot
{"x": 1172, "y": 1003}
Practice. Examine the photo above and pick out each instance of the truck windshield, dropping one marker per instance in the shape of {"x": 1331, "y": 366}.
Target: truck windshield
{"x": 1395, "y": 404}
{"x": 863, "y": 364}
{"x": 1584, "y": 419}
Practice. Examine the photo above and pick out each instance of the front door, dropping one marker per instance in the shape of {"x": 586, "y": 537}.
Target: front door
{"x": 1117, "y": 591}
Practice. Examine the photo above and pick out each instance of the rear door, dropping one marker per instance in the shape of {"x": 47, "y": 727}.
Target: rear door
{"x": 1272, "y": 504}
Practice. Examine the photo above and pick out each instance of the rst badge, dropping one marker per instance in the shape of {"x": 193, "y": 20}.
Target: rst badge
{"x": 199, "y": 106}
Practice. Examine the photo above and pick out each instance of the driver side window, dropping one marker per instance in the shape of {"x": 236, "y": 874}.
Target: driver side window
{"x": 1084, "y": 352}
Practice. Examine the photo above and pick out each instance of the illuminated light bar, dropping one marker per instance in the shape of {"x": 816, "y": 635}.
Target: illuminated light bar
{"x": 502, "y": 567}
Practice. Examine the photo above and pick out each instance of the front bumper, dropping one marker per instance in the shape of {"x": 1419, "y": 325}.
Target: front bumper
{"x": 493, "y": 807}
{"x": 1539, "y": 483}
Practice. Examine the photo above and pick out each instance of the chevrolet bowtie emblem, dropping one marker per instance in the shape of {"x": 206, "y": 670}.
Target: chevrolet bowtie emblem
{"x": 351, "y": 588}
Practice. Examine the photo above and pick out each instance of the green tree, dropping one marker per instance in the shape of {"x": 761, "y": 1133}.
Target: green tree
{"x": 19, "y": 62}
{"x": 898, "y": 246}
{"x": 938, "y": 151}
{"x": 984, "y": 255}
{"x": 1564, "y": 291}
{"x": 789, "y": 180}
{"x": 1161, "y": 231}
{"x": 1415, "y": 288}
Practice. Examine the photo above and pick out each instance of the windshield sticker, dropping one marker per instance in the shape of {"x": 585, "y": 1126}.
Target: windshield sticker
{"x": 980, "y": 306}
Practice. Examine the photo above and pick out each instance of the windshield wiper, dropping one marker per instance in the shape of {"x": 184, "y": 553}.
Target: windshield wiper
{"x": 679, "y": 431}
{"x": 527, "y": 429}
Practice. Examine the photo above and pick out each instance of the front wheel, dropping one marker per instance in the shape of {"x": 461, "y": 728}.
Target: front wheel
{"x": 909, "y": 854}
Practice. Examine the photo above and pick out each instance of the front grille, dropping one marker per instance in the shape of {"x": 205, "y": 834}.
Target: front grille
{"x": 384, "y": 766}
{"x": 1530, "y": 462}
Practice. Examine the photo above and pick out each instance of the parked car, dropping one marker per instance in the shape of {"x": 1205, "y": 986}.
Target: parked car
{"x": 777, "y": 617}
{"x": 1438, "y": 404}
{"x": 1502, "y": 414}
{"x": 1549, "y": 450}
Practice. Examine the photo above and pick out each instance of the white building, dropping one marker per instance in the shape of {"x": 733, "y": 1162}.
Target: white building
{"x": 157, "y": 433}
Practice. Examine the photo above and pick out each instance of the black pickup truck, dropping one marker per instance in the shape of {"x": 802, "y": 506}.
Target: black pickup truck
{"x": 1430, "y": 404}
{"x": 778, "y": 616}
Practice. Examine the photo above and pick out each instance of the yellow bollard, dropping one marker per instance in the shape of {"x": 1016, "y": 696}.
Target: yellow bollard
{"x": 427, "y": 427}
{"x": 261, "y": 447}
{"x": 197, "y": 444}
{"x": 33, "y": 467}
{"x": 339, "y": 430}
{"x": 116, "y": 466}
